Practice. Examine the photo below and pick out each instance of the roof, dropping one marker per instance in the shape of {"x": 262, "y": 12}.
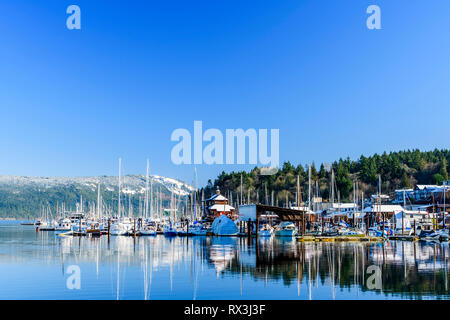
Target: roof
{"x": 385, "y": 208}
{"x": 426, "y": 186}
{"x": 343, "y": 205}
{"x": 404, "y": 190}
{"x": 221, "y": 207}
{"x": 305, "y": 209}
{"x": 217, "y": 197}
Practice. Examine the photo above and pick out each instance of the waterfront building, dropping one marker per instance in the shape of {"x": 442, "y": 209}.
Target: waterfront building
{"x": 218, "y": 205}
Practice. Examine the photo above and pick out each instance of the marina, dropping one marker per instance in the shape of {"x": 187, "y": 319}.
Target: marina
{"x": 187, "y": 247}
{"x": 35, "y": 266}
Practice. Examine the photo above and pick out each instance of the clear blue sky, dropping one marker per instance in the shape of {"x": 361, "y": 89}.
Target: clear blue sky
{"x": 72, "y": 102}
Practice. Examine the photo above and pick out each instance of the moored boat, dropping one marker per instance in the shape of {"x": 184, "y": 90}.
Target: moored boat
{"x": 285, "y": 229}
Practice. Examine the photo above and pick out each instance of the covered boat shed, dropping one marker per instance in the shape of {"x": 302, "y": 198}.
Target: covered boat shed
{"x": 252, "y": 213}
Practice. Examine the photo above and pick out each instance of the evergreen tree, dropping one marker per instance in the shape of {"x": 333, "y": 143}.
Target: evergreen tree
{"x": 405, "y": 183}
{"x": 443, "y": 172}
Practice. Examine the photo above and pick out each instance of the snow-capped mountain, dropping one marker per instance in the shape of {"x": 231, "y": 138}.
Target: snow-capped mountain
{"x": 133, "y": 184}
{"x": 22, "y": 196}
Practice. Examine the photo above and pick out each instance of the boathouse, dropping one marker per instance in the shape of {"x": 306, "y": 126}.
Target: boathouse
{"x": 218, "y": 205}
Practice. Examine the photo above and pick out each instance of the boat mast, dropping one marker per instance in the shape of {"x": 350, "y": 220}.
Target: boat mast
{"x": 151, "y": 191}
{"x": 309, "y": 188}
{"x": 146, "y": 192}
{"x": 195, "y": 192}
{"x": 445, "y": 210}
{"x": 241, "y": 191}
{"x": 118, "y": 203}
{"x": 332, "y": 186}
{"x": 98, "y": 200}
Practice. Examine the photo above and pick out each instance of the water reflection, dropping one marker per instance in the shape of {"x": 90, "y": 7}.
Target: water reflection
{"x": 226, "y": 267}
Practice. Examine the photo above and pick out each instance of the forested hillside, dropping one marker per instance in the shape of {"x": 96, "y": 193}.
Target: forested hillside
{"x": 401, "y": 169}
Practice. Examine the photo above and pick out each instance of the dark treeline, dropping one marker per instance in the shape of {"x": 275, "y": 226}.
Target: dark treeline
{"x": 401, "y": 169}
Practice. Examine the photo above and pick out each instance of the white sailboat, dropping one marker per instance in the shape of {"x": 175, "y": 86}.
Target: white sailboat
{"x": 121, "y": 226}
{"x": 148, "y": 228}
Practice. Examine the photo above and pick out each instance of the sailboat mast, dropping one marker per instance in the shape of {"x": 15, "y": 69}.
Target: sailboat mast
{"x": 309, "y": 188}
{"x": 118, "y": 202}
{"x": 98, "y": 201}
{"x": 151, "y": 191}
{"x": 146, "y": 192}
{"x": 241, "y": 191}
{"x": 332, "y": 186}
{"x": 195, "y": 193}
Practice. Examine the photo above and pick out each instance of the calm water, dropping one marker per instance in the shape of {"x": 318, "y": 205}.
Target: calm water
{"x": 35, "y": 266}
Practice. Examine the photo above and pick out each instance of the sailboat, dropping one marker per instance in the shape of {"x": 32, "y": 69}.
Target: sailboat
{"x": 47, "y": 222}
{"x": 148, "y": 227}
{"x": 169, "y": 230}
{"x": 198, "y": 229}
{"x": 122, "y": 225}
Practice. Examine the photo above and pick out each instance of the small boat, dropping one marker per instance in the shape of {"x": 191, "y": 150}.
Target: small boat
{"x": 148, "y": 230}
{"x": 429, "y": 235}
{"x": 28, "y": 224}
{"x": 198, "y": 230}
{"x": 64, "y": 225}
{"x": 47, "y": 226}
{"x": 265, "y": 231}
{"x": 119, "y": 229}
{"x": 285, "y": 229}
{"x": 169, "y": 230}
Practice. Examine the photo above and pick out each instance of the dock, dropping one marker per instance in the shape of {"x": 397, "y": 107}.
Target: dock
{"x": 339, "y": 239}
{"x": 404, "y": 238}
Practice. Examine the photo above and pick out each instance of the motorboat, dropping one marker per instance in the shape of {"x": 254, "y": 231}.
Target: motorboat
{"x": 148, "y": 229}
{"x": 198, "y": 229}
{"x": 285, "y": 229}
{"x": 64, "y": 224}
{"x": 429, "y": 235}
{"x": 120, "y": 229}
{"x": 265, "y": 231}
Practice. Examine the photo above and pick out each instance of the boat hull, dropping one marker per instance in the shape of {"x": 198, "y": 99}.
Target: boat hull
{"x": 285, "y": 233}
{"x": 265, "y": 233}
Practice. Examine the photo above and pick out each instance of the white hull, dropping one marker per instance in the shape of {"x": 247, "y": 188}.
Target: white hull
{"x": 118, "y": 233}
{"x": 148, "y": 232}
{"x": 265, "y": 233}
{"x": 285, "y": 233}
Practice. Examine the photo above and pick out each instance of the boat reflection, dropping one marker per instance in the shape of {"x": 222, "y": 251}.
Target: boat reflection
{"x": 408, "y": 269}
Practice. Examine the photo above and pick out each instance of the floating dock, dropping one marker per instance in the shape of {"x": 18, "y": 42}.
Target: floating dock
{"x": 404, "y": 238}
{"x": 340, "y": 239}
